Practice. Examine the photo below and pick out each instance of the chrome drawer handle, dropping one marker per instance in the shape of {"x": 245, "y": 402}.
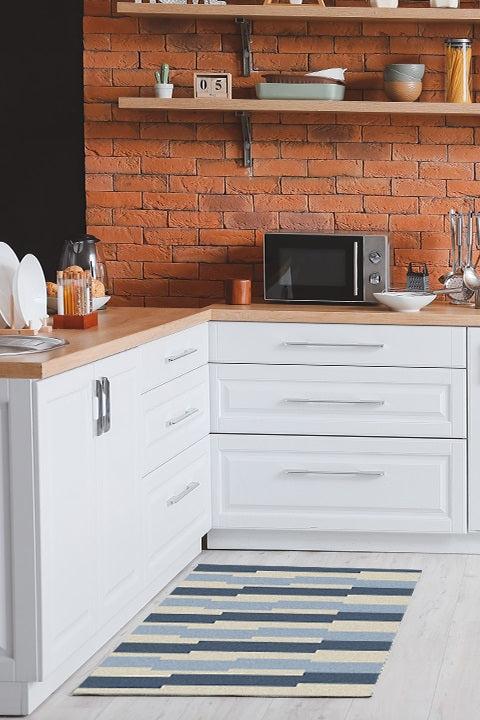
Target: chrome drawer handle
{"x": 332, "y": 345}
{"x": 176, "y": 498}
{"x": 312, "y": 401}
{"x": 185, "y": 353}
{"x": 355, "y": 473}
{"x": 180, "y": 418}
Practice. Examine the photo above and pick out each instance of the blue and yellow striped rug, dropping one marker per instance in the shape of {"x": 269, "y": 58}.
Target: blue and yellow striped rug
{"x": 262, "y": 630}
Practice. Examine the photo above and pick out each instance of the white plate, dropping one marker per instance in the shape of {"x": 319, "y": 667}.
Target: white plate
{"x": 8, "y": 267}
{"x": 30, "y": 292}
{"x": 98, "y": 303}
{"x": 404, "y": 301}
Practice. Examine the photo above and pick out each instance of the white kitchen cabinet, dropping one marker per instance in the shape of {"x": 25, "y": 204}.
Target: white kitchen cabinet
{"x": 172, "y": 356}
{"x": 474, "y": 429}
{"x": 309, "y": 400}
{"x": 316, "y": 344}
{"x": 119, "y": 550}
{"x": 342, "y": 484}
{"x": 6, "y": 635}
{"x": 175, "y": 416}
{"x": 67, "y": 506}
{"x": 176, "y": 507}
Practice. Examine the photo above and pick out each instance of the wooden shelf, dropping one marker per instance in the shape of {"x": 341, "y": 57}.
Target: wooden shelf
{"x": 307, "y": 12}
{"x": 299, "y": 106}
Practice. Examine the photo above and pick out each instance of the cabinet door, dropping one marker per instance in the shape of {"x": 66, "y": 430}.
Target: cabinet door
{"x": 66, "y": 503}
{"x": 117, "y": 486}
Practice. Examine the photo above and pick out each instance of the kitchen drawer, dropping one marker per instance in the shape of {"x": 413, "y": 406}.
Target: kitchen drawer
{"x": 173, "y": 356}
{"x": 176, "y": 504}
{"x": 347, "y": 484}
{"x": 311, "y": 344}
{"x": 175, "y": 416}
{"x": 288, "y": 399}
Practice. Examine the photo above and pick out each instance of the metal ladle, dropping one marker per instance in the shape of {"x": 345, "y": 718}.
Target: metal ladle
{"x": 470, "y": 277}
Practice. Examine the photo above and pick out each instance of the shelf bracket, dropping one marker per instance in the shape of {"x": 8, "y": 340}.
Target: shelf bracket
{"x": 246, "y": 35}
{"x": 247, "y": 138}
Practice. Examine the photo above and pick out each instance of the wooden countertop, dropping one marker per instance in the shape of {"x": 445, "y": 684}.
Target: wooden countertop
{"x": 120, "y": 329}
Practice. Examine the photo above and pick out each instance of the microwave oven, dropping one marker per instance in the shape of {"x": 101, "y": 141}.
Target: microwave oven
{"x": 325, "y": 267}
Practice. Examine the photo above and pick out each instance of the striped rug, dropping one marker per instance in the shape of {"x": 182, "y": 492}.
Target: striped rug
{"x": 261, "y": 630}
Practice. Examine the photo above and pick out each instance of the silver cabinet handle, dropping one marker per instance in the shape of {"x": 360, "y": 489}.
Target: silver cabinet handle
{"x": 100, "y": 396}
{"x": 288, "y": 343}
{"x": 354, "y": 473}
{"x": 176, "y": 498}
{"x": 181, "y": 355}
{"x": 355, "y": 269}
{"x": 312, "y": 401}
{"x": 180, "y": 418}
{"x": 107, "y": 419}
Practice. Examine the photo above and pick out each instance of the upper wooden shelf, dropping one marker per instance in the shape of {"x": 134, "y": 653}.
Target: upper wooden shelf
{"x": 300, "y": 106}
{"x": 307, "y": 12}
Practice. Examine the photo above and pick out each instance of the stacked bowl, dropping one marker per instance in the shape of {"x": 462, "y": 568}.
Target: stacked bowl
{"x": 403, "y": 81}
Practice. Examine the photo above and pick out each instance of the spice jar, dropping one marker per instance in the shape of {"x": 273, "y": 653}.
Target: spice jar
{"x": 458, "y": 70}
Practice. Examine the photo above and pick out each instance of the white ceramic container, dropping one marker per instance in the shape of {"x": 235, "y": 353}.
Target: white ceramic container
{"x": 384, "y": 3}
{"x": 163, "y": 90}
{"x": 444, "y": 3}
{"x": 404, "y": 301}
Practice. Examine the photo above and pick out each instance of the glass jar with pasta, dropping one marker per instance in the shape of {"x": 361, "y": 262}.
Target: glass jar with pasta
{"x": 458, "y": 70}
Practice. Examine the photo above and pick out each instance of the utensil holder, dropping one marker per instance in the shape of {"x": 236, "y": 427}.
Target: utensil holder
{"x": 75, "y": 322}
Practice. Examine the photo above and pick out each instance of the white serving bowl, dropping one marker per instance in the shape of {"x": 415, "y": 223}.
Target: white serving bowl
{"x": 98, "y": 303}
{"x": 404, "y": 301}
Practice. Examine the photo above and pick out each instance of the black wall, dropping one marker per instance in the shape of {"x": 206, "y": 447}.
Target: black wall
{"x": 42, "y": 195}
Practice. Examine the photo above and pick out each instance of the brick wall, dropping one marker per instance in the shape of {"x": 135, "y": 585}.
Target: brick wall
{"x": 168, "y": 195}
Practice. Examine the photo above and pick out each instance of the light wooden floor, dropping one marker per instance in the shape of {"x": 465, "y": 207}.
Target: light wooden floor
{"x": 433, "y": 671}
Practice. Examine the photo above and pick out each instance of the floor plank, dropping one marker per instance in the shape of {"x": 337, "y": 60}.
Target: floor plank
{"x": 430, "y": 673}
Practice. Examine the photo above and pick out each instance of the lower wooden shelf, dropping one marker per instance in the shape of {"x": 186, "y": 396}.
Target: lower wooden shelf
{"x": 300, "y": 106}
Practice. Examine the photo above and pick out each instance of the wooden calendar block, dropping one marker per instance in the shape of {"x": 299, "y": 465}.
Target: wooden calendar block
{"x": 212, "y": 85}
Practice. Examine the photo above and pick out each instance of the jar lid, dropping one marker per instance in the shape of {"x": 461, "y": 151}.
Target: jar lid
{"x": 458, "y": 42}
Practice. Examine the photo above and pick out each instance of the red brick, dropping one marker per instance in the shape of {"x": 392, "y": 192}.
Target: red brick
{"x": 364, "y": 151}
{"x": 140, "y": 148}
{"x": 170, "y": 201}
{"x": 122, "y": 269}
{"x": 234, "y": 203}
{"x": 250, "y": 220}
{"x": 316, "y": 186}
{"x": 226, "y": 237}
{"x": 252, "y": 185}
{"x": 395, "y": 169}
{"x": 117, "y": 235}
{"x": 286, "y": 203}
{"x": 306, "y": 150}
{"x": 141, "y": 287}
{"x": 114, "y": 199}
{"x": 170, "y": 270}
{"x": 197, "y": 288}
{"x": 99, "y": 182}
{"x": 200, "y": 254}
{"x": 169, "y": 237}
{"x": 284, "y": 167}
{"x": 99, "y": 60}
{"x": 142, "y": 218}
{"x": 144, "y": 253}
{"x": 416, "y": 188}
{"x": 185, "y": 219}
{"x": 335, "y": 203}
{"x": 147, "y": 183}
{"x": 330, "y": 168}
{"x": 364, "y": 186}
{"x": 190, "y": 184}
{"x": 383, "y": 204}
{"x": 168, "y": 166}
{"x": 410, "y": 151}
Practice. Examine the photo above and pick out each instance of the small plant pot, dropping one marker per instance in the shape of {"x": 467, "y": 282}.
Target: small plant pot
{"x": 163, "y": 90}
